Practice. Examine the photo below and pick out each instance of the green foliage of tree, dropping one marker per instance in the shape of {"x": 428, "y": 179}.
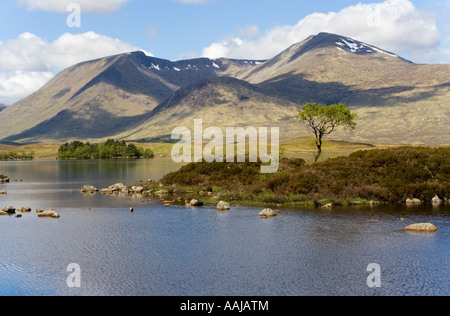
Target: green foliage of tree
{"x": 324, "y": 119}
{"x": 111, "y": 149}
{"x": 17, "y": 156}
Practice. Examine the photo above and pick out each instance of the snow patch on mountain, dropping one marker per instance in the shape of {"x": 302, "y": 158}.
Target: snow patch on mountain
{"x": 360, "y": 48}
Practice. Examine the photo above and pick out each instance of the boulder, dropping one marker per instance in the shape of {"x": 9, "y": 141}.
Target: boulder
{"x": 162, "y": 192}
{"x": 3, "y": 192}
{"x": 196, "y": 203}
{"x": 89, "y": 189}
{"x": 137, "y": 189}
{"x": 107, "y": 191}
{"x": 267, "y": 213}
{"x": 422, "y": 228}
{"x": 9, "y": 210}
{"x": 4, "y": 179}
{"x": 223, "y": 206}
{"x": 115, "y": 188}
{"x": 48, "y": 213}
{"x": 24, "y": 210}
{"x": 413, "y": 201}
{"x": 436, "y": 200}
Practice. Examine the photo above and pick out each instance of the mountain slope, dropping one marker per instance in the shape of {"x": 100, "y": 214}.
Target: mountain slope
{"x": 2, "y": 107}
{"x": 219, "y": 102}
{"x": 99, "y": 98}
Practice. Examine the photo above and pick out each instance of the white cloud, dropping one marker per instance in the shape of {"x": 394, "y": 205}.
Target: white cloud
{"x": 28, "y": 61}
{"x": 97, "y": 6}
{"x": 395, "y": 25}
{"x": 15, "y": 85}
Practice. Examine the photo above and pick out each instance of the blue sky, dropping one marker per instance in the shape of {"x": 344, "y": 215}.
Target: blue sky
{"x": 36, "y": 41}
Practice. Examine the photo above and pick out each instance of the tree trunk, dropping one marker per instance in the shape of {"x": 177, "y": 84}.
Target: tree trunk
{"x": 319, "y": 148}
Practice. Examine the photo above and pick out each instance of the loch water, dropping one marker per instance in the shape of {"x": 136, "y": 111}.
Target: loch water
{"x": 180, "y": 251}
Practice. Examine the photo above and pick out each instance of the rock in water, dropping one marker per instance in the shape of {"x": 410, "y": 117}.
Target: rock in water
{"x": 137, "y": 189}
{"x": 48, "y": 213}
{"x": 267, "y": 213}
{"x": 436, "y": 200}
{"x": 4, "y": 179}
{"x": 89, "y": 189}
{"x": 24, "y": 210}
{"x": 223, "y": 206}
{"x": 422, "y": 228}
{"x": 413, "y": 201}
{"x": 9, "y": 210}
{"x": 196, "y": 203}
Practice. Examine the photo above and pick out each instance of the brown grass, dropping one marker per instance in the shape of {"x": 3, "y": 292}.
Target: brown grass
{"x": 302, "y": 147}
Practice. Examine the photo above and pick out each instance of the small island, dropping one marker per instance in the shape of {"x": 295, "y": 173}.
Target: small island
{"x": 111, "y": 149}
{"x": 13, "y": 156}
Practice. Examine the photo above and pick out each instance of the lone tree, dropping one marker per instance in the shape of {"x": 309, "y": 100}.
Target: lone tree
{"x": 324, "y": 119}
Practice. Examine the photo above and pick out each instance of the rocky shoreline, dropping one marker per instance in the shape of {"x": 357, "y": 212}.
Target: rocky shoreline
{"x": 190, "y": 199}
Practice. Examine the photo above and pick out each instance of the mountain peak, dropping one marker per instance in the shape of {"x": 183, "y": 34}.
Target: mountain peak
{"x": 342, "y": 43}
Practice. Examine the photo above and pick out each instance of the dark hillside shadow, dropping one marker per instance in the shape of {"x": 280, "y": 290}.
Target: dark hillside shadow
{"x": 296, "y": 88}
{"x": 68, "y": 125}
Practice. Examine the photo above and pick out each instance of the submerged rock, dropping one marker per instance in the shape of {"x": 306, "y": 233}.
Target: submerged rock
{"x": 422, "y": 227}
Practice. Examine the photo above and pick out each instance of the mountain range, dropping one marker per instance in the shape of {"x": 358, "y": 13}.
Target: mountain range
{"x": 136, "y": 97}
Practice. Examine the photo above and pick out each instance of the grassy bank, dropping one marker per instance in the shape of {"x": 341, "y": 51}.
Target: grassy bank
{"x": 370, "y": 176}
{"x": 302, "y": 147}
